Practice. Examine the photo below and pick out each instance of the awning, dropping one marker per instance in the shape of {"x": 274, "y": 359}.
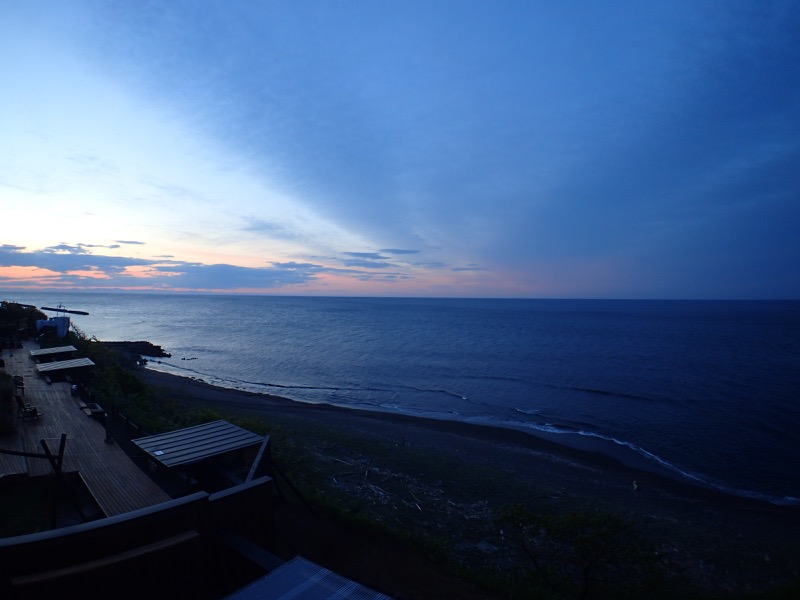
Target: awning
{"x": 194, "y": 444}
{"x": 64, "y": 364}
{"x": 48, "y": 351}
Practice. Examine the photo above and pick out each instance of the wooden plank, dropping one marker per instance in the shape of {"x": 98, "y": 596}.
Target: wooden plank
{"x": 259, "y": 457}
{"x": 106, "y": 561}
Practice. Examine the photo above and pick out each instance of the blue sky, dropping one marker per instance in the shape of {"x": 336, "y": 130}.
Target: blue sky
{"x": 511, "y": 149}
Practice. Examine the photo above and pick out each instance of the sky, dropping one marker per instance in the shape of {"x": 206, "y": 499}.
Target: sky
{"x": 533, "y": 149}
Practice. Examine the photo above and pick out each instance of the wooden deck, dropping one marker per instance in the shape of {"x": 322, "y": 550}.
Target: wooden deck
{"x": 118, "y": 485}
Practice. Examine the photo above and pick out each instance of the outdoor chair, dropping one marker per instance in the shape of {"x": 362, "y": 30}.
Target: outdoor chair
{"x": 25, "y": 409}
{"x": 33, "y": 413}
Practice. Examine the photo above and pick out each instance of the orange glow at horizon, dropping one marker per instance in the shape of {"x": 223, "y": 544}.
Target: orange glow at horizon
{"x": 26, "y": 273}
{"x": 444, "y": 283}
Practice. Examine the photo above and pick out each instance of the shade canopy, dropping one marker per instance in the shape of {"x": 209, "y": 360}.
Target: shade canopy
{"x": 195, "y": 444}
{"x": 49, "y": 351}
{"x": 60, "y": 365}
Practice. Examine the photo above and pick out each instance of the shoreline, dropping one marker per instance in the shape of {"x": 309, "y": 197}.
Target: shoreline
{"x": 408, "y": 429}
{"x": 589, "y": 449}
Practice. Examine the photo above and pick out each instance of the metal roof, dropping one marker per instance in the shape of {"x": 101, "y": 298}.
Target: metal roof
{"x": 64, "y": 364}
{"x": 301, "y": 578}
{"x": 58, "y": 350}
{"x": 194, "y": 444}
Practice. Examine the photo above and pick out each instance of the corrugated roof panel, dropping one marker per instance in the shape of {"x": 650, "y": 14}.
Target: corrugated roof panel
{"x": 58, "y": 350}
{"x": 301, "y": 578}
{"x": 64, "y": 364}
{"x": 193, "y": 444}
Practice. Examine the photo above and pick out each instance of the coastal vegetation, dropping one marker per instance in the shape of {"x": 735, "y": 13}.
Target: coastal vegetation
{"x": 16, "y": 318}
{"x": 7, "y": 410}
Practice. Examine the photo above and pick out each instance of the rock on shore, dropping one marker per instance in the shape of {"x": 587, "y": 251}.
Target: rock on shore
{"x": 140, "y": 348}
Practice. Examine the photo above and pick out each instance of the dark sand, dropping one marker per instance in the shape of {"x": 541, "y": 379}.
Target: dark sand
{"x": 456, "y": 474}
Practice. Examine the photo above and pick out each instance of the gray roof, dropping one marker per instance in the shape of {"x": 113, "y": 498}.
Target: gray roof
{"x": 64, "y": 364}
{"x": 58, "y": 350}
{"x": 301, "y": 578}
{"x": 194, "y": 444}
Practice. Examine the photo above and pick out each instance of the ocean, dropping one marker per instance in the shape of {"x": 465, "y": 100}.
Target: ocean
{"x": 703, "y": 391}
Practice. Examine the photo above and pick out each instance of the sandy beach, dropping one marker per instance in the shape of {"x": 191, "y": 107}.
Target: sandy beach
{"x": 719, "y": 542}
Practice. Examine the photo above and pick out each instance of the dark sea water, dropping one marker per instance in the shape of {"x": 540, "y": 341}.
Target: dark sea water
{"x": 706, "y": 391}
